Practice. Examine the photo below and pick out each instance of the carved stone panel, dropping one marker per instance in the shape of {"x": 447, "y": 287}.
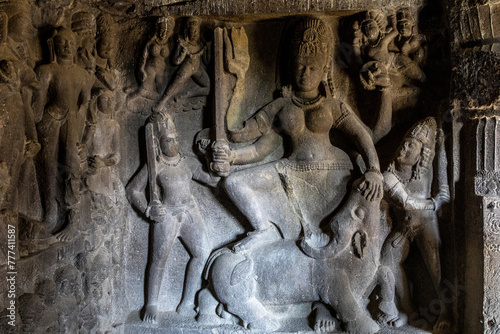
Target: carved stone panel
{"x": 222, "y": 166}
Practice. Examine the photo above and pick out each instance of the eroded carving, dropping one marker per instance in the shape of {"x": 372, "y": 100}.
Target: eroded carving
{"x": 154, "y": 58}
{"x": 408, "y": 184}
{"x": 63, "y": 97}
{"x": 173, "y": 211}
{"x": 316, "y": 232}
{"x": 191, "y": 54}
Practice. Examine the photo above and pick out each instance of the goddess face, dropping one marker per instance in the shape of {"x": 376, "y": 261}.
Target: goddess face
{"x": 308, "y": 71}
{"x": 169, "y": 144}
{"x": 162, "y": 30}
{"x": 409, "y": 153}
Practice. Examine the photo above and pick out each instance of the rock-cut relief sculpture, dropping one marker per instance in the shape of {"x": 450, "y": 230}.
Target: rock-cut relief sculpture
{"x": 372, "y": 38}
{"x": 18, "y": 136}
{"x": 395, "y": 48}
{"x": 305, "y": 114}
{"x": 68, "y": 289}
{"x": 173, "y": 211}
{"x": 102, "y": 133}
{"x": 191, "y": 54}
{"x": 408, "y": 186}
{"x": 63, "y": 97}
{"x": 20, "y": 32}
{"x": 17, "y": 121}
{"x": 153, "y": 62}
{"x": 408, "y": 49}
{"x": 291, "y": 199}
{"x": 83, "y": 24}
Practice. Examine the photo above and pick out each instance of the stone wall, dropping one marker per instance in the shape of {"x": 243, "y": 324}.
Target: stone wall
{"x": 216, "y": 166}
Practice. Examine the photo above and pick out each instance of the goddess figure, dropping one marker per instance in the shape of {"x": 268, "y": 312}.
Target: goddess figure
{"x": 190, "y": 54}
{"x": 303, "y": 187}
{"x": 153, "y": 62}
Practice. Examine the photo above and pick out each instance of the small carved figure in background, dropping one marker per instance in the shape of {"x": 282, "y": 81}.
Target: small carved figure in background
{"x": 397, "y": 50}
{"x": 32, "y": 315}
{"x": 63, "y": 95}
{"x": 372, "y": 37}
{"x": 107, "y": 77}
{"x": 68, "y": 293}
{"x": 83, "y": 24}
{"x": 191, "y": 54}
{"x": 408, "y": 183}
{"x": 53, "y": 11}
{"x": 153, "y": 62}
{"x": 175, "y": 214}
{"x": 12, "y": 121}
{"x": 408, "y": 48}
{"x": 20, "y": 32}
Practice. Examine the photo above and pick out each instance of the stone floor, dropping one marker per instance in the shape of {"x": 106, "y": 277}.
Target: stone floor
{"x": 172, "y": 323}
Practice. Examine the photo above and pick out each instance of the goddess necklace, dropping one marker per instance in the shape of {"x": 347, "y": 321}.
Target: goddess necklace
{"x": 308, "y": 103}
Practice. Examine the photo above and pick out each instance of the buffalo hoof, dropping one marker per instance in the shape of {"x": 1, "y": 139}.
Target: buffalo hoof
{"x": 186, "y": 309}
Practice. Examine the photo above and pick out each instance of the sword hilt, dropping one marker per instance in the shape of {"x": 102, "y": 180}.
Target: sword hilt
{"x": 222, "y": 168}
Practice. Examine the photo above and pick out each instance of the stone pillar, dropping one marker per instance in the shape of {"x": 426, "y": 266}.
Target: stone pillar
{"x": 476, "y": 90}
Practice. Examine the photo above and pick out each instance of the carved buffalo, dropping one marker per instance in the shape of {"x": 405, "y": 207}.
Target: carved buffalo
{"x": 341, "y": 273}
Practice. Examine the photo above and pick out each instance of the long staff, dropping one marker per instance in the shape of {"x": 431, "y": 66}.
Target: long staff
{"x": 151, "y": 151}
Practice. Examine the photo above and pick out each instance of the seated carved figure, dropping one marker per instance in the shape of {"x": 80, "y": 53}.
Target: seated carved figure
{"x": 190, "y": 54}
{"x": 408, "y": 49}
{"x": 153, "y": 62}
{"x": 302, "y": 188}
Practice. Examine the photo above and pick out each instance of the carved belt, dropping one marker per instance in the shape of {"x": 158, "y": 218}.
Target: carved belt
{"x": 309, "y": 166}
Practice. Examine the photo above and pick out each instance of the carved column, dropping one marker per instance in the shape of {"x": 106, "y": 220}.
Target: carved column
{"x": 476, "y": 89}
